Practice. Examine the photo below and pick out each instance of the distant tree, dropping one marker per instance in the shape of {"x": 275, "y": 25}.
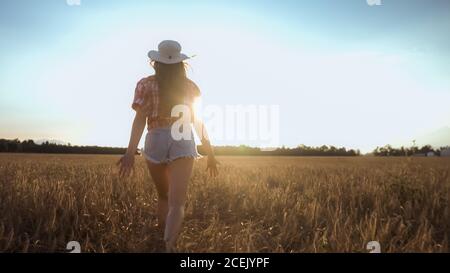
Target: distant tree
{"x": 388, "y": 150}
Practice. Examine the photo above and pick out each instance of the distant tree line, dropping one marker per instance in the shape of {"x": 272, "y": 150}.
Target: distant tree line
{"x": 301, "y": 150}
{"x": 29, "y": 146}
{"x": 388, "y": 150}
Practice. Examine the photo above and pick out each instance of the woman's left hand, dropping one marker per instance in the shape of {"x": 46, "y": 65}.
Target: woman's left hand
{"x": 211, "y": 165}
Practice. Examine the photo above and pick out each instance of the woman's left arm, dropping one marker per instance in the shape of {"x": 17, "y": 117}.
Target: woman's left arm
{"x": 126, "y": 162}
{"x": 202, "y": 133}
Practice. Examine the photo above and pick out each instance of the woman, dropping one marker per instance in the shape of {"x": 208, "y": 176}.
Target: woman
{"x": 169, "y": 158}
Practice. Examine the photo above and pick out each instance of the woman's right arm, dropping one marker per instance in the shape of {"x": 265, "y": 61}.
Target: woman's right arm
{"x": 136, "y": 132}
{"x": 126, "y": 162}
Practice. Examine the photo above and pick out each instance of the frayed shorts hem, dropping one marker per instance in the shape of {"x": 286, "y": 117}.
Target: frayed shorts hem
{"x": 168, "y": 160}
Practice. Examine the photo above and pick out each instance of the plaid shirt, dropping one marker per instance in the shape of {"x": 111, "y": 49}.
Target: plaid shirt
{"x": 146, "y": 98}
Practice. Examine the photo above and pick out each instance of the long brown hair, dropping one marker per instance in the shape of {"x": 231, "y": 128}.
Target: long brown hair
{"x": 171, "y": 79}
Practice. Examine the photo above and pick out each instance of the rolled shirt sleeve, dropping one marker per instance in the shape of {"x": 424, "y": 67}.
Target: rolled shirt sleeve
{"x": 139, "y": 96}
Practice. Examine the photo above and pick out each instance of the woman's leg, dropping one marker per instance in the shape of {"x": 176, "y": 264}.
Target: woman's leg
{"x": 179, "y": 173}
{"x": 159, "y": 173}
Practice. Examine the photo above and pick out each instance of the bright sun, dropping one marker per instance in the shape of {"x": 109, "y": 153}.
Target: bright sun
{"x": 197, "y": 107}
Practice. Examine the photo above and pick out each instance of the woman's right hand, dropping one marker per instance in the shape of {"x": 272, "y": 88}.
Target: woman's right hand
{"x": 126, "y": 164}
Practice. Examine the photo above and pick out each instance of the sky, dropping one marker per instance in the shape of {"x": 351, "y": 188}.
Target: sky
{"x": 340, "y": 73}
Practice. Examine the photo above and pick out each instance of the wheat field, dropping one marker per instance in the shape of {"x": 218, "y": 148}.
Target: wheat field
{"x": 256, "y": 204}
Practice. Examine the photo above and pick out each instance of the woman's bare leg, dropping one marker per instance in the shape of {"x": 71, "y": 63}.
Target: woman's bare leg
{"x": 159, "y": 173}
{"x": 179, "y": 173}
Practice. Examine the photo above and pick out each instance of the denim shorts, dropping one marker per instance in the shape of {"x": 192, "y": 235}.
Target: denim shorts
{"x": 160, "y": 147}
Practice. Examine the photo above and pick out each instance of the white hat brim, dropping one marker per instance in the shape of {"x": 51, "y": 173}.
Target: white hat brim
{"x": 156, "y": 56}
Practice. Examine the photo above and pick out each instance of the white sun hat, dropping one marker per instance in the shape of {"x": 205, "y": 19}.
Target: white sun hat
{"x": 169, "y": 52}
